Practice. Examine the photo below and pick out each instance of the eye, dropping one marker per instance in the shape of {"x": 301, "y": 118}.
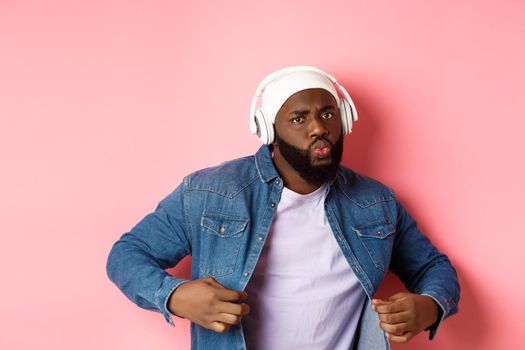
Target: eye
{"x": 297, "y": 120}
{"x": 327, "y": 115}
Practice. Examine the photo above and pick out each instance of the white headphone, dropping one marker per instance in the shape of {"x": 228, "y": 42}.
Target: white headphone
{"x": 262, "y": 126}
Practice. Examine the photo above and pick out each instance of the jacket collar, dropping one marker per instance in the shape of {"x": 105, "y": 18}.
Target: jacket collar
{"x": 266, "y": 168}
{"x": 264, "y": 164}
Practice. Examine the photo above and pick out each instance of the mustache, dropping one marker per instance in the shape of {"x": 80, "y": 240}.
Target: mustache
{"x": 320, "y": 139}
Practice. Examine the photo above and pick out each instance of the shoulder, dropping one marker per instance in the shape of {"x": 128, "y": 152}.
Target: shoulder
{"x": 363, "y": 190}
{"x": 227, "y": 178}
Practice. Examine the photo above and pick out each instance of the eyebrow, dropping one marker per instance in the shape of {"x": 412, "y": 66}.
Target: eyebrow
{"x": 306, "y": 111}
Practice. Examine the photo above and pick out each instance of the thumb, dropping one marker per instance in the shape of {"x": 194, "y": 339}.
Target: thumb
{"x": 213, "y": 282}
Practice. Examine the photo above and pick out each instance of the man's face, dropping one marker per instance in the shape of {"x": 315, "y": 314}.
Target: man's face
{"x": 308, "y": 134}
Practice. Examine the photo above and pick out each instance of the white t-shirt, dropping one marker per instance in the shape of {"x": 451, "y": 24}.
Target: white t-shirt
{"x": 303, "y": 293}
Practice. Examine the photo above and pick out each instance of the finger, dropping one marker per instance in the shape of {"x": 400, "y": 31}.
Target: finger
{"x": 229, "y": 318}
{"x": 395, "y": 318}
{"x": 398, "y": 296}
{"x": 245, "y": 309}
{"x": 400, "y": 338}
{"x": 393, "y": 307}
{"x": 213, "y": 282}
{"x": 233, "y": 308}
{"x": 219, "y": 327}
{"x": 394, "y": 329}
{"x": 379, "y": 301}
{"x": 231, "y": 295}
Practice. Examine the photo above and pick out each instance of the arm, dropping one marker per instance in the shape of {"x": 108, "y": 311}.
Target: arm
{"x": 137, "y": 261}
{"x": 427, "y": 274}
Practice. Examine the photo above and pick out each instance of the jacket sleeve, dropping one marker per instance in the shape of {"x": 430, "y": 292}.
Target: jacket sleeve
{"x": 137, "y": 261}
{"x": 422, "y": 268}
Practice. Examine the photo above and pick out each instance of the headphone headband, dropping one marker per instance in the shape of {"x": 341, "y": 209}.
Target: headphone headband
{"x": 255, "y": 128}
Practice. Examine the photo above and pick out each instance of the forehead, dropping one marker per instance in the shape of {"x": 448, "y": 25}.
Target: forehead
{"x": 307, "y": 98}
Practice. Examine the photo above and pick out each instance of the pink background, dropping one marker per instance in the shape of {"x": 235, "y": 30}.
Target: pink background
{"x": 106, "y": 105}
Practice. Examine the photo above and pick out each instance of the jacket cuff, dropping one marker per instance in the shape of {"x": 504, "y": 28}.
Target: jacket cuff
{"x": 443, "y": 313}
{"x": 163, "y": 295}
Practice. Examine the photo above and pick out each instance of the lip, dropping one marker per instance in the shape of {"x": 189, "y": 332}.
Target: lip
{"x": 321, "y": 149}
{"x": 321, "y": 144}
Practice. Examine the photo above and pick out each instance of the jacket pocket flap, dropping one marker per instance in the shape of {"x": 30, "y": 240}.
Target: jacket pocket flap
{"x": 375, "y": 230}
{"x": 223, "y": 225}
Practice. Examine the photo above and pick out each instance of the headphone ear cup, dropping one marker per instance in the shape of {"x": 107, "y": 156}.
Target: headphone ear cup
{"x": 346, "y": 116}
{"x": 264, "y": 127}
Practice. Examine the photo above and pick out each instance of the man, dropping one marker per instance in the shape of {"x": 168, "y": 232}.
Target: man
{"x": 288, "y": 247}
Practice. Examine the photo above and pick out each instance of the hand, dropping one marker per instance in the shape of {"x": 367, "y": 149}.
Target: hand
{"x": 404, "y": 315}
{"x": 207, "y": 303}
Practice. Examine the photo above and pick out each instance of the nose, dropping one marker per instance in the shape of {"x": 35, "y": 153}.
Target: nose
{"x": 317, "y": 128}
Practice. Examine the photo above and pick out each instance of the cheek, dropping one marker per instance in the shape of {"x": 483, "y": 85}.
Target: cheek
{"x": 294, "y": 137}
{"x": 336, "y": 128}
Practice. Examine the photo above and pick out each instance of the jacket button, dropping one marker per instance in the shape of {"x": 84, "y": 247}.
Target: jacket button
{"x": 222, "y": 229}
{"x": 245, "y": 274}
{"x": 260, "y": 238}
{"x": 272, "y": 204}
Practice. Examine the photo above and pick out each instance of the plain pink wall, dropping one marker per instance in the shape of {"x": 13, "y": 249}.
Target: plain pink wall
{"x": 106, "y": 105}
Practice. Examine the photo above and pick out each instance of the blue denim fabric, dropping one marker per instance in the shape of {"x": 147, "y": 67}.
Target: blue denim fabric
{"x": 222, "y": 215}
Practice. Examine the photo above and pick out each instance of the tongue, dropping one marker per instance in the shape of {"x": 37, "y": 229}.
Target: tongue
{"x": 322, "y": 151}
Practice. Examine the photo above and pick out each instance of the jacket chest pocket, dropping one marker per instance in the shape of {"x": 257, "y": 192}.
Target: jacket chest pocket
{"x": 378, "y": 239}
{"x": 221, "y": 238}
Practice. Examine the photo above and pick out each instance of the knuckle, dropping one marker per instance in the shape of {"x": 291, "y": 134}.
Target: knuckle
{"x": 404, "y": 338}
{"x": 220, "y": 327}
{"x": 209, "y": 318}
{"x": 210, "y": 294}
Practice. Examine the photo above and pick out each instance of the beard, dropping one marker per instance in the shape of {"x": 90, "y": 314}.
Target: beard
{"x": 301, "y": 160}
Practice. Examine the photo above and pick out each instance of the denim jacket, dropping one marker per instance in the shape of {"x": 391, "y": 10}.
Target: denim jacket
{"x": 222, "y": 215}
